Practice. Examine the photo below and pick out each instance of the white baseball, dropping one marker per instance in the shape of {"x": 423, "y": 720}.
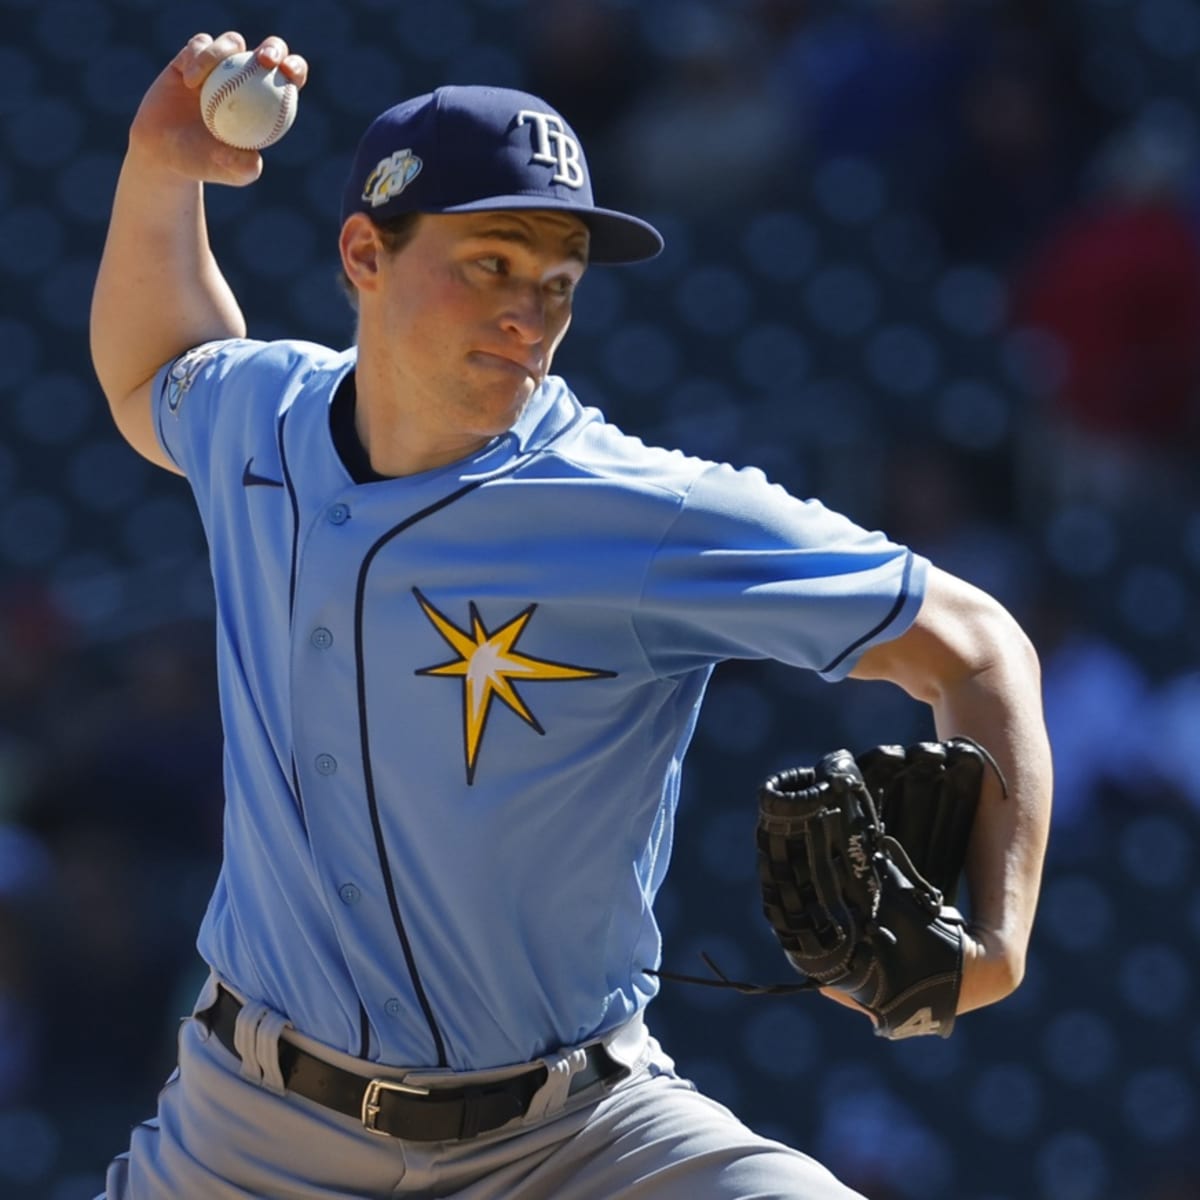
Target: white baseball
{"x": 247, "y": 106}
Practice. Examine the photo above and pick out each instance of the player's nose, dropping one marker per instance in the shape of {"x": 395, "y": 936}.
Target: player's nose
{"x": 524, "y": 313}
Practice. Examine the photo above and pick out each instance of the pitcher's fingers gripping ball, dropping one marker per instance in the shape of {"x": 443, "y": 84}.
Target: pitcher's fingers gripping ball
{"x": 247, "y": 105}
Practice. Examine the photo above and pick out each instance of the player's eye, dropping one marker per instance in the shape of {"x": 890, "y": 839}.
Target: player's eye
{"x": 562, "y": 285}
{"x": 493, "y": 264}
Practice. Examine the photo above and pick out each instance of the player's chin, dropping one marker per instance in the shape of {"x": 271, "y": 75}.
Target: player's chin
{"x": 493, "y": 411}
{"x": 504, "y": 388}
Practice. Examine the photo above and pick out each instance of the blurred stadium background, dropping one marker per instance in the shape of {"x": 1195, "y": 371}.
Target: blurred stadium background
{"x": 933, "y": 261}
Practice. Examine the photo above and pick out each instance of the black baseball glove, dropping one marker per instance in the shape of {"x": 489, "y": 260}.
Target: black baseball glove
{"x": 859, "y": 860}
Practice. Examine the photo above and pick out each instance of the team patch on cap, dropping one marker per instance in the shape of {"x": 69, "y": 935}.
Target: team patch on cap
{"x": 390, "y": 177}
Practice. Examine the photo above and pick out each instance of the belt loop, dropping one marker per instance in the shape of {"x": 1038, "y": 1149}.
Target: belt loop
{"x": 472, "y": 1111}
{"x": 552, "y": 1095}
{"x": 267, "y": 1041}
{"x": 256, "y": 1037}
{"x": 202, "y": 1009}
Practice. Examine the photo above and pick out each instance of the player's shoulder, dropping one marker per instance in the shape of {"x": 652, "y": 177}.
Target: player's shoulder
{"x": 286, "y": 356}
{"x": 607, "y": 450}
{"x": 597, "y": 449}
{"x": 246, "y": 365}
{"x": 237, "y": 354}
{"x": 308, "y": 364}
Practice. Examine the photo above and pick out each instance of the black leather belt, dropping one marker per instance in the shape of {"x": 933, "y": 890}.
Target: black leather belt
{"x": 401, "y": 1110}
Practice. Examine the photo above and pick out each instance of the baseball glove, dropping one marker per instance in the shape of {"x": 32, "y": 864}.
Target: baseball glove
{"x": 859, "y": 860}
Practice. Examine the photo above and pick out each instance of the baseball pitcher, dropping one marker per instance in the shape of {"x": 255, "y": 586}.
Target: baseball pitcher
{"x": 464, "y": 628}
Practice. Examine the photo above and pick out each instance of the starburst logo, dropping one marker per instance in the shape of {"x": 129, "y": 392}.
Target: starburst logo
{"x": 489, "y": 665}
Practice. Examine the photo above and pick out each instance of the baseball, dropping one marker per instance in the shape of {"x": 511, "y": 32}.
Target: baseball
{"x": 245, "y": 105}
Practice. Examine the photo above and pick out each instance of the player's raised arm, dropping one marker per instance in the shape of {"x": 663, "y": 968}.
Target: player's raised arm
{"x": 159, "y": 290}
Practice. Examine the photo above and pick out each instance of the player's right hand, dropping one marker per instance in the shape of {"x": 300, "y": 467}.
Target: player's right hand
{"x": 168, "y": 132}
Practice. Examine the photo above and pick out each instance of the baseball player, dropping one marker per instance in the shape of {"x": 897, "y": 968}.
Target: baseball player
{"x": 464, "y": 626}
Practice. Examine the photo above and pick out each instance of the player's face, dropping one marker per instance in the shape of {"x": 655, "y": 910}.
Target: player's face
{"x": 476, "y": 305}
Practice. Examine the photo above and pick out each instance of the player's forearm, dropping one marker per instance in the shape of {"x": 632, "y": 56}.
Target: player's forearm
{"x": 970, "y": 661}
{"x": 159, "y": 290}
{"x": 998, "y": 703}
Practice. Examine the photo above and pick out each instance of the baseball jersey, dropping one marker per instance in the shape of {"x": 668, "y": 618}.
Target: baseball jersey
{"x": 456, "y": 704}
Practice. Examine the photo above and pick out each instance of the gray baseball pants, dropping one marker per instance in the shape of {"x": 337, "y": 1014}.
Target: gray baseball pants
{"x": 225, "y": 1129}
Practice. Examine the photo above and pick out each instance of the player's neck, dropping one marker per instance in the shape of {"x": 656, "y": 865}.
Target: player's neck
{"x": 399, "y": 431}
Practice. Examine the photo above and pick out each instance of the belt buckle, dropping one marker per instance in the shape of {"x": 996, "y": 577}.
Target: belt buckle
{"x": 371, "y": 1105}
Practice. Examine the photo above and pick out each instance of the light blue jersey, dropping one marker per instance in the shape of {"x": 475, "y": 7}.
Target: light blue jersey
{"x": 428, "y": 679}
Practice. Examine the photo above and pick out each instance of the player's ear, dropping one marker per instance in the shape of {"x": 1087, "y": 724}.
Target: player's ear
{"x": 361, "y": 249}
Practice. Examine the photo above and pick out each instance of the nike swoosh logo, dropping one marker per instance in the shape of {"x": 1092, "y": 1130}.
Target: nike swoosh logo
{"x": 250, "y": 479}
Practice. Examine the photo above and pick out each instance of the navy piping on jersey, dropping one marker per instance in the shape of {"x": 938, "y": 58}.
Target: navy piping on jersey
{"x": 368, "y": 775}
{"x": 896, "y": 608}
{"x": 299, "y": 797}
{"x": 291, "y": 491}
{"x": 364, "y": 1024}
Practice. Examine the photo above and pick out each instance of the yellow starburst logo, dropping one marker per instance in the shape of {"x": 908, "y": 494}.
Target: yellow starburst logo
{"x": 489, "y": 665}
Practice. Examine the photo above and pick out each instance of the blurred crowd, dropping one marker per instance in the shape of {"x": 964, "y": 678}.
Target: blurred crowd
{"x": 936, "y": 262}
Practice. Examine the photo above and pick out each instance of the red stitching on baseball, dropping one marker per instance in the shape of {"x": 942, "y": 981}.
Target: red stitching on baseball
{"x": 244, "y": 73}
{"x": 285, "y": 109}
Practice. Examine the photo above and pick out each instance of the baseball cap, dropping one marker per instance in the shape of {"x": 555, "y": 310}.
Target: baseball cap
{"x": 473, "y": 148}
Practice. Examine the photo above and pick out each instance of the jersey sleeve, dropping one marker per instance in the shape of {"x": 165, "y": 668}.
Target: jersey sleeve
{"x": 187, "y": 397}
{"x": 746, "y": 570}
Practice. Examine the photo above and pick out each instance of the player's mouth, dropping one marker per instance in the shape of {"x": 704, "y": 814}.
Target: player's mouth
{"x": 502, "y": 362}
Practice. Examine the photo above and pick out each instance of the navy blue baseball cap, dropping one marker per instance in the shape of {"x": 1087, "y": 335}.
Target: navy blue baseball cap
{"x": 473, "y": 149}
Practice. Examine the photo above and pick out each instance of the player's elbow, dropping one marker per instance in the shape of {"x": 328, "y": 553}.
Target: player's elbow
{"x": 978, "y": 639}
{"x": 1000, "y": 639}
{"x": 992, "y": 971}
{"x": 1002, "y": 660}
{"x": 962, "y": 635}
{"x": 1009, "y": 972}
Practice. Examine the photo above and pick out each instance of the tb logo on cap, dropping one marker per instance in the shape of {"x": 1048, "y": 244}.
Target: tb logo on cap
{"x": 555, "y": 147}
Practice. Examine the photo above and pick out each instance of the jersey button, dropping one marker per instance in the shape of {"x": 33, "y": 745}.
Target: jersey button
{"x": 349, "y": 893}
{"x": 321, "y": 638}
{"x": 326, "y": 764}
{"x": 393, "y": 1007}
{"x": 339, "y": 514}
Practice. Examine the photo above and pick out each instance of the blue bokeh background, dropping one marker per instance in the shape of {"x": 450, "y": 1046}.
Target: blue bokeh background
{"x": 933, "y": 261}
